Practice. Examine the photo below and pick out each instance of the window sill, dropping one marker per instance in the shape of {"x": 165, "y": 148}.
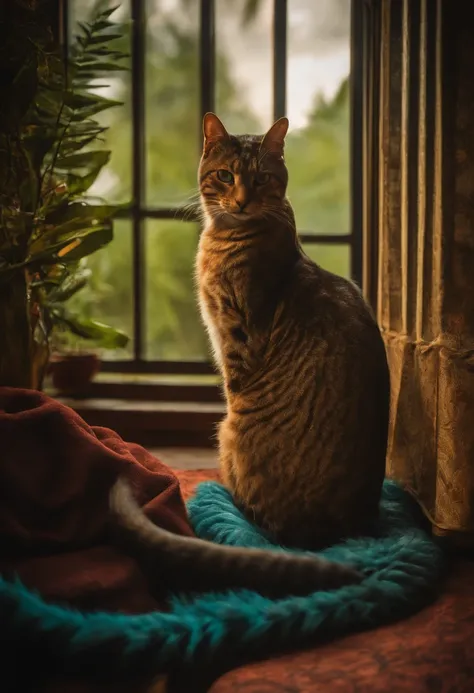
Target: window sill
{"x": 150, "y": 388}
{"x": 153, "y": 423}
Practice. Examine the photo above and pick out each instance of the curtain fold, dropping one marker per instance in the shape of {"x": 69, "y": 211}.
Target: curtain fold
{"x": 419, "y": 246}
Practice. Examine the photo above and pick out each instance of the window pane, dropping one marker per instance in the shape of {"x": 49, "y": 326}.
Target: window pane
{"x": 174, "y": 331}
{"x": 172, "y": 98}
{"x": 114, "y": 181}
{"x": 317, "y": 151}
{"x": 108, "y": 297}
{"x": 244, "y": 65}
{"x": 335, "y": 258}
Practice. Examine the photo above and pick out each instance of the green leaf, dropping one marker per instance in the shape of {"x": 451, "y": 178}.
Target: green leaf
{"x": 103, "y": 335}
{"x": 82, "y": 243}
{"x": 92, "y": 110}
{"x": 92, "y": 159}
{"x": 104, "y": 37}
{"x": 39, "y": 117}
{"x": 109, "y": 11}
{"x": 77, "y": 185}
{"x": 91, "y": 243}
{"x": 39, "y": 140}
{"x": 70, "y": 286}
{"x": 86, "y": 29}
{"x": 80, "y": 211}
{"x": 99, "y": 53}
{"x": 64, "y": 225}
{"x": 102, "y": 24}
{"x": 85, "y": 128}
{"x": 87, "y": 82}
{"x": 77, "y": 100}
{"x": 70, "y": 146}
{"x": 99, "y": 67}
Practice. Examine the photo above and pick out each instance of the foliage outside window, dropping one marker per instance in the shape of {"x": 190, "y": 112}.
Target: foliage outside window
{"x": 317, "y": 150}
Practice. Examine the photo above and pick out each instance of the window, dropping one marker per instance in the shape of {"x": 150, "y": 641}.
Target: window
{"x": 251, "y": 62}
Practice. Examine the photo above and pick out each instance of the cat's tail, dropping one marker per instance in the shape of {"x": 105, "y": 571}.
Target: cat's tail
{"x": 194, "y": 564}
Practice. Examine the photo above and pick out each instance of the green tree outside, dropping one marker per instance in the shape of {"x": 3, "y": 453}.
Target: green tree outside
{"x": 317, "y": 157}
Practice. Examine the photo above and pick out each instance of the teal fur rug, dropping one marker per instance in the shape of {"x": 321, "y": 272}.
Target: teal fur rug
{"x": 402, "y": 565}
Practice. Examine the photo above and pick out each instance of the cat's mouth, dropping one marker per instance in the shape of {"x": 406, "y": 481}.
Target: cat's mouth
{"x": 238, "y": 216}
{"x": 223, "y": 215}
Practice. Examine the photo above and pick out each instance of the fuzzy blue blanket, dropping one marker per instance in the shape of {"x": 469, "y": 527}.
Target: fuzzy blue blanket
{"x": 402, "y": 565}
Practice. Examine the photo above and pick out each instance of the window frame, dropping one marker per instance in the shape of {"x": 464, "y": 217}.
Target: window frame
{"x": 138, "y": 212}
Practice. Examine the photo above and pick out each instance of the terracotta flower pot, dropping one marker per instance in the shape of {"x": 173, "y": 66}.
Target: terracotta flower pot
{"x": 72, "y": 373}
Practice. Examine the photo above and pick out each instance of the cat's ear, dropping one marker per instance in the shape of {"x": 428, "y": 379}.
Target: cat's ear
{"x": 213, "y": 129}
{"x": 274, "y": 140}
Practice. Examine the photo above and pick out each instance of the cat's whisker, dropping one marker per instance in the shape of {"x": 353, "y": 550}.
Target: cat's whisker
{"x": 190, "y": 212}
{"x": 192, "y": 203}
{"x": 192, "y": 208}
{"x": 280, "y": 213}
{"x": 279, "y": 216}
{"x": 192, "y": 192}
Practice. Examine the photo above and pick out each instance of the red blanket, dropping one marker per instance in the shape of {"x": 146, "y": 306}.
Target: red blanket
{"x": 55, "y": 475}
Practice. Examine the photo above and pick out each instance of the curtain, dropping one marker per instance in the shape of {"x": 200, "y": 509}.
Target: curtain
{"x": 418, "y": 219}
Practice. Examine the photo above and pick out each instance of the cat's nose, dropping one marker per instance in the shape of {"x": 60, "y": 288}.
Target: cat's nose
{"x": 241, "y": 204}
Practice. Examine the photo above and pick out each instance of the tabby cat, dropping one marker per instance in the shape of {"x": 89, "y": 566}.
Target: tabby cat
{"x": 303, "y": 445}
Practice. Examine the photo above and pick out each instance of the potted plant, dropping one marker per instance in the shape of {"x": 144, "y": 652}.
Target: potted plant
{"x": 48, "y": 162}
{"x": 76, "y": 340}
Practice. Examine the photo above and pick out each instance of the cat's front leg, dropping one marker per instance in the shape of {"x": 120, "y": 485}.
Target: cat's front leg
{"x": 226, "y": 458}
{"x": 229, "y": 478}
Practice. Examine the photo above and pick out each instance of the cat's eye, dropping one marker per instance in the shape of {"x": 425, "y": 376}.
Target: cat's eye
{"x": 262, "y": 178}
{"x": 225, "y": 176}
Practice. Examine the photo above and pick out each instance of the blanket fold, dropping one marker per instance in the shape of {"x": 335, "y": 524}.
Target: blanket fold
{"x": 55, "y": 475}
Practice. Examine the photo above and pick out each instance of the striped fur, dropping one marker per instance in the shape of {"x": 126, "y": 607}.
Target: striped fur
{"x": 185, "y": 563}
{"x": 303, "y": 445}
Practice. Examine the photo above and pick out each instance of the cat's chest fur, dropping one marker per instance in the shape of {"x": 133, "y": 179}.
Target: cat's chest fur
{"x": 208, "y": 297}
{"x": 210, "y": 322}
{"x": 237, "y": 292}
{"x": 220, "y": 281}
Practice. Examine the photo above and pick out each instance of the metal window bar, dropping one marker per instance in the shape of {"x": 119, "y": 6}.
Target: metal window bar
{"x": 63, "y": 15}
{"x": 138, "y": 174}
{"x": 207, "y": 57}
{"x": 138, "y": 212}
{"x": 356, "y": 141}
{"x": 280, "y": 19}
